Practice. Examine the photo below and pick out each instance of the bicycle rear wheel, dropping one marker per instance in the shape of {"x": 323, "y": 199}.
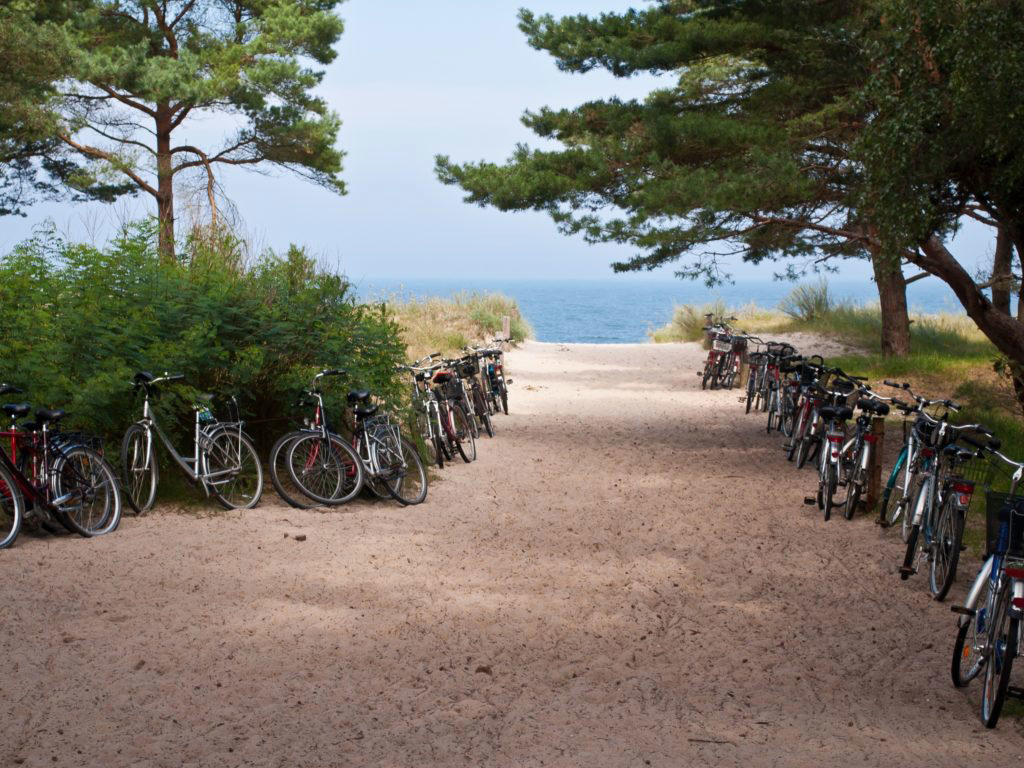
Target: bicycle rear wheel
{"x": 459, "y": 435}
{"x": 139, "y": 469}
{"x": 968, "y": 660}
{"x": 12, "y": 508}
{"x": 892, "y": 497}
{"x": 949, "y": 532}
{"x": 233, "y": 468}
{"x": 95, "y": 508}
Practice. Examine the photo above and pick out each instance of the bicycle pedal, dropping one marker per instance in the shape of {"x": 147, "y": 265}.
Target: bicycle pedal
{"x": 963, "y": 611}
{"x": 881, "y": 521}
{"x": 810, "y": 501}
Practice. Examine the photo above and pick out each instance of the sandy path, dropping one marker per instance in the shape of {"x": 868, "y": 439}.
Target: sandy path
{"x": 626, "y": 577}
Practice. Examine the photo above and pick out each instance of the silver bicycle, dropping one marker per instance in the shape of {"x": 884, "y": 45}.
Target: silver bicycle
{"x": 224, "y": 462}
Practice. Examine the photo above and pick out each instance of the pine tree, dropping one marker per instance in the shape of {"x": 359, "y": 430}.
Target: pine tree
{"x": 140, "y": 69}
{"x": 746, "y": 150}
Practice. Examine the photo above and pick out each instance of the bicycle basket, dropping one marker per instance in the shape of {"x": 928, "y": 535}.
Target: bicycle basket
{"x": 469, "y": 368}
{"x": 979, "y": 471}
{"x": 1000, "y": 508}
{"x": 722, "y": 344}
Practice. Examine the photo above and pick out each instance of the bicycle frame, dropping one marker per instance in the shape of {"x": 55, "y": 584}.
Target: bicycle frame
{"x": 41, "y": 468}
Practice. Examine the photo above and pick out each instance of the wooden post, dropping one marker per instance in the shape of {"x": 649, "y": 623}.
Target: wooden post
{"x": 875, "y": 467}
{"x": 506, "y": 328}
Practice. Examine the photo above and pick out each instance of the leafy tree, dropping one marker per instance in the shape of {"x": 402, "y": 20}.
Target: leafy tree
{"x": 141, "y": 70}
{"x": 747, "y": 151}
{"x": 944, "y": 142}
{"x": 33, "y": 163}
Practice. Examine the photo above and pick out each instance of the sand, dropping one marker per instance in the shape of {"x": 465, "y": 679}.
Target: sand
{"x": 626, "y": 577}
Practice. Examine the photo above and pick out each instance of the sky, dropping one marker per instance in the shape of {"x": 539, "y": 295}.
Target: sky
{"x": 413, "y": 80}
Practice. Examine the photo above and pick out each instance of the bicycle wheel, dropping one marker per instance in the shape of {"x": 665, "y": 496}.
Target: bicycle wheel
{"x": 95, "y": 506}
{"x": 831, "y": 481}
{"x": 892, "y": 497}
{"x": 481, "y": 409}
{"x": 12, "y": 508}
{"x": 1004, "y": 635}
{"x": 787, "y": 421}
{"x": 472, "y": 420}
{"x": 290, "y": 493}
{"x": 751, "y": 389}
{"x": 773, "y": 410}
{"x": 799, "y": 432}
{"x": 949, "y": 532}
{"x": 909, "y": 511}
{"x": 504, "y": 398}
{"x": 968, "y": 660}
{"x": 910, "y": 558}
{"x": 326, "y": 470}
{"x": 139, "y": 469}
{"x": 233, "y": 470}
{"x": 855, "y": 484}
{"x": 403, "y": 472}
{"x": 708, "y": 367}
{"x": 459, "y": 436}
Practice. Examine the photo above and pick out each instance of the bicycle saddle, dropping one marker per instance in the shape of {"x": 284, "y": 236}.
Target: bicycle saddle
{"x": 442, "y": 376}
{"x": 29, "y": 426}
{"x": 45, "y": 416}
{"x": 421, "y": 376}
{"x": 358, "y": 396}
{"x": 143, "y": 377}
{"x": 837, "y": 412}
{"x": 17, "y": 410}
{"x": 873, "y": 406}
{"x": 366, "y": 411}
{"x": 8, "y": 389}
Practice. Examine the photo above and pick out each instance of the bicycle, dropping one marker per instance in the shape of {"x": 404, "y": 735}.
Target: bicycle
{"x": 940, "y": 507}
{"x": 855, "y": 457}
{"x": 988, "y": 635}
{"x": 719, "y": 335}
{"x": 427, "y": 409}
{"x": 53, "y": 478}
{"x": 390, "y": 461}
{"x": 454, "y": 421}
{"x": 495, "y": 380}
{"x": 325, "y": 468}
{"x": 472, "y": 371}
{"x": 224, "y": 463}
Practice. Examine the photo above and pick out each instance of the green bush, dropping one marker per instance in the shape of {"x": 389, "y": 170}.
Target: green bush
{"x": 808, "y": 302}
{"x": 78, "y": 322}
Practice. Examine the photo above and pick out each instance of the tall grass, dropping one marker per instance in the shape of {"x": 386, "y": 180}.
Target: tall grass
{"x": 447, "y": 325}
{"x": 688, "y": 321}
{"x": 809, "y": 302}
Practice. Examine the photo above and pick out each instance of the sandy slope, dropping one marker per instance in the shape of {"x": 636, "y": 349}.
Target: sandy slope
{"x": 626, "y": 577}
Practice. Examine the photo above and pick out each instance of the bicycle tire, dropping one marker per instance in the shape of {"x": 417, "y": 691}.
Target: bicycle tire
{"x": 399, "y": 487}
{"x": 140, "y": 482}
{"x": 12, "y": 508}
{"x": 85, "y": 470}
{"x": 911, "y": 554}
{"x": 504, "y": 398}
{"x": 707, "y": 375}
{"x": 1000, "y": 663}
{"x": 967, "y": 661}
{"x": 485, "y": 417}
{"x": 787, "y": 420}
{"x": 798, "y": 435}
{"x": 892, "y": 506}
{"x": 230, "y": 450}
{"x": 285, "y": 488}
{"x": 949, "y": 532}
{"x": 830, "y": 490}
{"x": 341, "y": 466}
{"x": 855, "y": 483}
{"x": 909, "y": 511}
{"x": 751, "y": 389}
{"x": 459, "y": 436}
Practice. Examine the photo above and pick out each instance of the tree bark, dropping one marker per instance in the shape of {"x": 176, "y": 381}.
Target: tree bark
{"x": 165, "y": 184}
{"x": 1002, "y": 271}
{"x": 892, "y": 298}
{"x": 1003, "y": 330}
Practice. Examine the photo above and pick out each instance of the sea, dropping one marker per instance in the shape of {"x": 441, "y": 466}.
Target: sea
{"x": 625, "y": 309}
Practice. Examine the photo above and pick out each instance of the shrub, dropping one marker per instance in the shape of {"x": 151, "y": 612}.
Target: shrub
{"x": 446, "y": 325}
{"x": 78, "y": 322}
{"x": 808, "y": 302}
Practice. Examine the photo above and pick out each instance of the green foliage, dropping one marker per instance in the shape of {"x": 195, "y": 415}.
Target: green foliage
{"x": 808, "y": 302}
{"x": 746, "y": 143}
{"x": 78, "y": 322}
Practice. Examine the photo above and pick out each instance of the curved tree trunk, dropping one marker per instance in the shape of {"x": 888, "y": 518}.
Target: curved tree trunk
{"x": 165, "y": 184}
{"x": 892, "y": 297}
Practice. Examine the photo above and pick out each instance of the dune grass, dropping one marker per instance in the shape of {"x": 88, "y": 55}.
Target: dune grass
{"x": 447, "y": 325}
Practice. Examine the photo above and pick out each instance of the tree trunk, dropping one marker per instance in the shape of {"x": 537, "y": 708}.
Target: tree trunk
{"x": 1002, "y": 271}
{"x": 165, "y": 184}
{"x": 892, "y": 298}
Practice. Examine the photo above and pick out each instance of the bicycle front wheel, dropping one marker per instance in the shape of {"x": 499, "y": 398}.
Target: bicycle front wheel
{"x": 402, "y": 471}
{"x": 968, "y": 660}
{"x": 326, "y": 470}
{"x": 892, "y": 497}
{"x": 459, "y": 435}
{"x": 12, "y": 509}
{"x": 139, "y": 469}
{"x": 95, "y": 504}
{"x": 289, "y": 492}
{"x": 233, "y": 470}
{"x": 1004, "y": 636}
